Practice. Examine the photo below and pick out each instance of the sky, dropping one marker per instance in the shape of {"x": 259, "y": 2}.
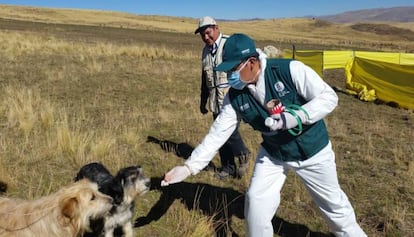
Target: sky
{"x": 219, "y": 9}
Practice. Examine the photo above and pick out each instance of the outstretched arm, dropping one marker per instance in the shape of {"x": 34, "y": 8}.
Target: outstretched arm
{"x": 220, "y": 131}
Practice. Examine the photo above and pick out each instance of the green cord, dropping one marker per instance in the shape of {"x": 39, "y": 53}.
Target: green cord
{"x": 291, "y": 109}
{"x": 297, "y": 107}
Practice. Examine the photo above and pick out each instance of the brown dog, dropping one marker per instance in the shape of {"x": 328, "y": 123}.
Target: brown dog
{"x": 64, "y": 213}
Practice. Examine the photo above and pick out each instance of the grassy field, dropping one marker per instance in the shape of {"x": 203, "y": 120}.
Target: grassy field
{"x": 76, "y": 91}
{"x": 282, "y": 32}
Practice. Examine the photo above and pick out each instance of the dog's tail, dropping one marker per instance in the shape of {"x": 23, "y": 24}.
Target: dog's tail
{"x": 168, "y": 146}
{"x": 153, "y": 140}
{"x": 182, "y": 150}
{"x": 3, "y": 187}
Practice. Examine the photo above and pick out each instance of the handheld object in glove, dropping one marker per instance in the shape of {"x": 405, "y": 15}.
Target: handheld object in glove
{"x": 290, "y": 117}
{"x": 176, "y": 175}
{"x": 274, "y": 107}
{"x": 285, "y": 120}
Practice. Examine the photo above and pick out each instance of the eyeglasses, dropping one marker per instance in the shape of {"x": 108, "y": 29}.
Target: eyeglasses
{"x": 243, "y": 63}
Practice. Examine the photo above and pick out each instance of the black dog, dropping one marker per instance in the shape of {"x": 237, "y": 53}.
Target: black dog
{"x": 124, "y": 187}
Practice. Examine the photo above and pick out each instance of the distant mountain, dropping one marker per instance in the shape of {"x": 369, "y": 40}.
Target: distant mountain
{"x": 394, "y": 14}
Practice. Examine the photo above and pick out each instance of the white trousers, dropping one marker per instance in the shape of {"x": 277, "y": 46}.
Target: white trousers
{"x": 318, "y": 174}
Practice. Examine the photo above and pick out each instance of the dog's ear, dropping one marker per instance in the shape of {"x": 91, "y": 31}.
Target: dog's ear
{"x": 70, "y": 214}
{"x": 78, "y": 177}
{"x": 69, "y": 209}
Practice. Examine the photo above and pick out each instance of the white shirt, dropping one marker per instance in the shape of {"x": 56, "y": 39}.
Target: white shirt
{"x": 321, "y": 98}
{"x": 214, "y": 47}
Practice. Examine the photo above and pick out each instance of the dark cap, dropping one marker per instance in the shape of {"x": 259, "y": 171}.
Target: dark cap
{"x": 237, "y": 48}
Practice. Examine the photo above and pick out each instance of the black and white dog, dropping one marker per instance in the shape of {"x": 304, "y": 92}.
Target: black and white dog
{"x": 124, "y": 187}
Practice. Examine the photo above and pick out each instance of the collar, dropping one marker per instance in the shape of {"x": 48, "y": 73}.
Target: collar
{"x": 214, "y": 48}
{"x": 258, "y": 90}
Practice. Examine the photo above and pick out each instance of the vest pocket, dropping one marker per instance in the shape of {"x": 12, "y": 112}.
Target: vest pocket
{"x": 209, "y": 77}
{"x": 222, "y": 78}
{"x": 313, "y": 140}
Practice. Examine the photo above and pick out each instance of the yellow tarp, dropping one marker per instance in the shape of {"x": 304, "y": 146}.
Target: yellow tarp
{"x": 287, "y": 53}
{"x": 387, "y": 81}
{"x": 332, "y": 59}
{"x": 407, "y": 59}
{"x": 313, "y": 59}
{"x": 336, "y": 59}
{"x": 369, "y": 75}
{"x": 379, "y": 56}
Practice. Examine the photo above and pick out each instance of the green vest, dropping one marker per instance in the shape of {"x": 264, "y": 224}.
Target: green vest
{"x": 282, "y": 145}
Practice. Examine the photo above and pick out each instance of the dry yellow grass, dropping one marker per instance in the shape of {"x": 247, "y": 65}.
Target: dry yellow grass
{"x": 283, "y": 30}
{"x": 66, "y": 101}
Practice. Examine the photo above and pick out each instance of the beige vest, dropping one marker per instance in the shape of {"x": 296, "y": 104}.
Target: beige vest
{"x": 215, "y": 81}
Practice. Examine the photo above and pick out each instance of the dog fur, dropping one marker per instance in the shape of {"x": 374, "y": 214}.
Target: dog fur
{"x": 64, "y": 213}
{"x": 124, "y": 187}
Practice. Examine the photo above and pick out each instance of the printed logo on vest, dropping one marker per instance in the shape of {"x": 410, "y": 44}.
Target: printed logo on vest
{"x": 244, "y": 107}
{"x": 280, "y": 88}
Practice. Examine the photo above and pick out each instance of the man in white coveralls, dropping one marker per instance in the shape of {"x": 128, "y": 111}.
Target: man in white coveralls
{"x": 295, "y": 138}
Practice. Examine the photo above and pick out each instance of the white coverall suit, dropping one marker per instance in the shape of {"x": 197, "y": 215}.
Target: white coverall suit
{"x": 318, "y": 173}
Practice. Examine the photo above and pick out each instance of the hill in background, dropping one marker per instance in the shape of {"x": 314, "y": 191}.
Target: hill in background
{"x": 394, "y": 14}
{"x": 304, "y": 33}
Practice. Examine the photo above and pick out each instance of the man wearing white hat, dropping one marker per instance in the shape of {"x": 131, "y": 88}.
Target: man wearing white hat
{"x": 214, "y": 87}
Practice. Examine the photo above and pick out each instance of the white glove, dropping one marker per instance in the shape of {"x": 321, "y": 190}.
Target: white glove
{"x": 176, "y": 175}
{"x": 284, "y": 120}
{"x": 272, "y": 123}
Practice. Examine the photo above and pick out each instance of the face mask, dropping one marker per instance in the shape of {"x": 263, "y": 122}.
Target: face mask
{"x": 234, "y": 79}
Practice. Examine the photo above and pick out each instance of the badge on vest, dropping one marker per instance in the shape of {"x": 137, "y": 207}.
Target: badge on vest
{"x": 244, "y": 107}
{"x": 280, "y": 88}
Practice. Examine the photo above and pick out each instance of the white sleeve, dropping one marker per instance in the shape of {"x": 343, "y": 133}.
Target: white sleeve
{"x": 321, "y": 98}
{"x": 222, "y": 128}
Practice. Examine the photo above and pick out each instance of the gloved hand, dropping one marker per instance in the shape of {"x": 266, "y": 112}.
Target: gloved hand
{"x": 203, "y": 109}
{"x": 282, "y": 120}
{"x": 176, "y": 175}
